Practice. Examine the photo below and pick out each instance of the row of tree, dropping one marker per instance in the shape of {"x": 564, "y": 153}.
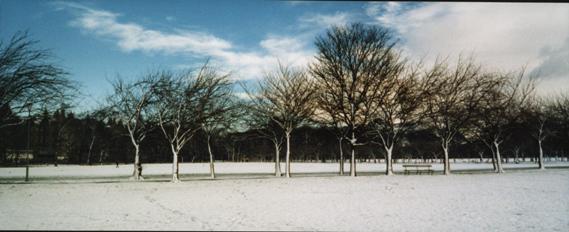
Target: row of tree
{"x": 360, "y": 90}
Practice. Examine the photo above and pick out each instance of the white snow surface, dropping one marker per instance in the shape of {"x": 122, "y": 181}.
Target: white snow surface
{"x": 518, "y": 200}
{"x": 39, "y": 172}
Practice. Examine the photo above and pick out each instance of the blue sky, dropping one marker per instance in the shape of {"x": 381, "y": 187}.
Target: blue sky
{"x": 97, "y": 40}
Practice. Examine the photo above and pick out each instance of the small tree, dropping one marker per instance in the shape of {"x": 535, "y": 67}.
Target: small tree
{"x": 285, "y": 97}
{"x": 501, "y": 108}
{"x": 560, "y": 115}
{"x": 452, "y": 103}
{"x": 538, "y": 111}
{"x": 266, "y": 128}
{"x": 327, "y": 117}
{"x": 221, "y": 111}
{"x": 401, "y": 108}
{"x": 183, "y": 106}
{"x": 130, "y": 104}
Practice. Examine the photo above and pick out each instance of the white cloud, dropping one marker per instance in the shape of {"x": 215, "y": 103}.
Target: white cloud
{"x": 501, "y": 35}
{"x": 131, "y": 36}
{"x": 134, "y": 37}
{"x": 290, "y": 50}
{"x": 383, "y": 12}
{"x": 295, "y": 3}
{"x": 277, "y": 45}
{"x": 324, "y": 20}
{"x": 373, "y": 9}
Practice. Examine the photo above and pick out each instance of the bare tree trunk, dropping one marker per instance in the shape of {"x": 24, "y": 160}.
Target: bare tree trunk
{"x": 353, "y": 158}
{"x": 287, "y": 171}
{"x": 498, "y": 158}
{"x": 353, "y": 162}
{"x": 494, "y": 160}
{"x": 341, "y": 157}
{"x": 175, "y": 167}
{"x": 541, "y": 166}
{"x": 388, "y": 161}
{"x": 90, "y": 149}
{"x": 211, "y": 165}
{"x": 277, "y": 160}
{"x": 137, "y": 173}
{"x": 446, "y": 161}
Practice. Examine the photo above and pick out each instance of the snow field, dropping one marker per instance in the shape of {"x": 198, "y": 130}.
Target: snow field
{"x": 164, "y": 169}
{"x": 526, "y": 200}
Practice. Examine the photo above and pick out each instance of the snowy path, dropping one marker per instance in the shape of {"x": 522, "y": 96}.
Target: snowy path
{"x": 528, "y": 200}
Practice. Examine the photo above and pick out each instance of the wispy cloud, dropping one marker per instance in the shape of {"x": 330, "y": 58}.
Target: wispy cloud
{"x": 384, "y": 12}
{"x": 324, "y": 20}
{"x": 130, "y": 36}
{"x": 290, "y": 49}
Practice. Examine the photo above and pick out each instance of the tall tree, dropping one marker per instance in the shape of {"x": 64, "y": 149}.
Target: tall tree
{"x": 285, "y": 97}
{"x": 352, "y": 63}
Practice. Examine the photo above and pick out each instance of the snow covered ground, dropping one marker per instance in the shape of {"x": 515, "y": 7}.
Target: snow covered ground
{"x": 518, "y": 200}
{"x": 226, "y": 170}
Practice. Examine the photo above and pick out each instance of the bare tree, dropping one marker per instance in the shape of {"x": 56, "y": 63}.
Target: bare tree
{"x": 221, "y": 110}
{"x": 29, "y": 81}
{"x": 266, "y": 128}
{"x": 501, "y": 107}
{"x": 130, "y": 104}
{"x": 453, "y": 100}
{"x": 352, "y": 63}
{"x": 183, "y": 104}
{"x": 285, "y": 97}
{"x": 402, "y": 106}
{"x": 327, "y": 117}
{"x": 560, "y": 114}
{"x": 326, "y": 114}
{"x": 538, "y": 111}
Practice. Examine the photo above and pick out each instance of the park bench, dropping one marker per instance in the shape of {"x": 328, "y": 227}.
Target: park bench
{"x": 419, "y": 168}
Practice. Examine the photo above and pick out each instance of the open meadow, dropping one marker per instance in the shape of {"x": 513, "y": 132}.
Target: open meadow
{"x": 522, "y": 199}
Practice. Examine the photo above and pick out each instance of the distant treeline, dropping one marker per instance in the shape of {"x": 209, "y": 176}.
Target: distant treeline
{"x": 64, "y": 138}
